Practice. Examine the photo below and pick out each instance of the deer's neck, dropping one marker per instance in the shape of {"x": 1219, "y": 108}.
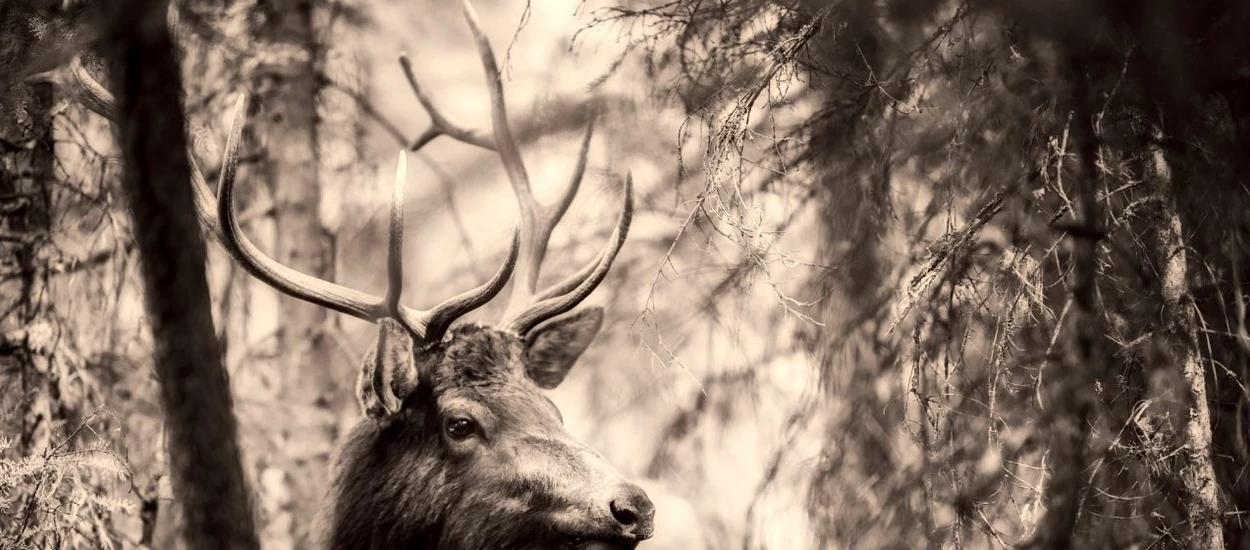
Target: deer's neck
{"x": 384, "y": 493}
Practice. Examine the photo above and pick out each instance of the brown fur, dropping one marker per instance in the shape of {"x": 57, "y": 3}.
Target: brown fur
{"x": 522, "y": 483}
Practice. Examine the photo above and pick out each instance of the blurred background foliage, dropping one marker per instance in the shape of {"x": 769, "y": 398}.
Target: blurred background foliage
{"x": 849, "y": 312}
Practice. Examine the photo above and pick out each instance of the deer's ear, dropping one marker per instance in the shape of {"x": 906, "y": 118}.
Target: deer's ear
{"x": 552, "y": 347}
{"x": 389, "y": 373}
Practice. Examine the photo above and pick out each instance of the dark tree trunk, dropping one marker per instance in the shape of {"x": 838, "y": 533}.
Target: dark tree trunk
{"x": 205, "y": 464}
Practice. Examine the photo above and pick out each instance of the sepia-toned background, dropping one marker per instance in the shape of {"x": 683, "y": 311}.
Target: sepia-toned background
{"x": 852, "y": 311}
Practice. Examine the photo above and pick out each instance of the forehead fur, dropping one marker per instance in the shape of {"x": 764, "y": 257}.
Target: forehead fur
{"x": 478, "y": 356}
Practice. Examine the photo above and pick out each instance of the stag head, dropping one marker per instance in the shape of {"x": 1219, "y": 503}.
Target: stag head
{"x": 462, "y": 450}
{"x": 458, "y": 448}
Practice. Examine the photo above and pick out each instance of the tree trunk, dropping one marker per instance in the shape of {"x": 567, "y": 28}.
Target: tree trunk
{"x": 1196, "y": 472}
{"x": 205, "y": 464}
{"x": 287, "y": 126}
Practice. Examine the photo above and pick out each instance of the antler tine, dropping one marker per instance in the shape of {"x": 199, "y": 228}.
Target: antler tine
{"x": 550, "y": 307}
{"x": 557, "y": 210}
{"x": 205, "y": 202}
{"x": 395, "y": 240}
{"x": 440, "y": 125}
{"x": 437, "y": 320}
{"x": 571, "y": 282}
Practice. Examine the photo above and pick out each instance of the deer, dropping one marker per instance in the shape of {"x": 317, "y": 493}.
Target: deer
{"x": 457, "y": 448}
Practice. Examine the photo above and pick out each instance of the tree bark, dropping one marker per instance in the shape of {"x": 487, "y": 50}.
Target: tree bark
{"x": 205, "y": 464}
{"x": 287, "y": 126}
{"x": 1180, "y": 327}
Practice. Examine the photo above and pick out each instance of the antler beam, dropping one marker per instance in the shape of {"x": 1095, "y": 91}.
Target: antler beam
{"x": 220, "y": 220}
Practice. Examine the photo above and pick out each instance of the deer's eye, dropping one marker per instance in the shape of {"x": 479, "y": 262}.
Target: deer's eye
{"x": 460, "y": 428}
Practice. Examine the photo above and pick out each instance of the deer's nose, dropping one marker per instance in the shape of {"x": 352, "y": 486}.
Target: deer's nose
{"x": 633, "y": 511}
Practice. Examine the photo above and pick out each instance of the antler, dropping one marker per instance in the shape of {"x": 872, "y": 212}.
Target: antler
{"x": 527, "y": 306}
{"x": 221, "y": 221}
